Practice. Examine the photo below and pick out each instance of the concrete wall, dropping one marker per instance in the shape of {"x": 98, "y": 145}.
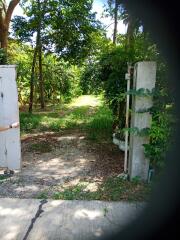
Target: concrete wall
{"x": 10, "y": 149}
{"x": 144, "y": 77}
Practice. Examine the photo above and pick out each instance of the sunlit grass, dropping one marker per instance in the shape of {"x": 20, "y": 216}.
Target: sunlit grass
{"x": 86, "y": 112}
{"x": 87, "y": 100}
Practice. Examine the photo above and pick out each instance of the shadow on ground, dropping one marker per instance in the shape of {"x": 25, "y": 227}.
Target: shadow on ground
{"x": 52, "y": 161}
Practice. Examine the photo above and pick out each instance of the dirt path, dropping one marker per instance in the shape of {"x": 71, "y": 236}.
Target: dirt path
{"x": 69, "y": 158}
{"x": 51, "y": 161}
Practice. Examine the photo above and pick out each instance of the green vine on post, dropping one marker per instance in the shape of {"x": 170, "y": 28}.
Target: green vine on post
{"x": 142, "y": 92}
{"x": 144, "y": 110}
{"x": 136, "y": 131}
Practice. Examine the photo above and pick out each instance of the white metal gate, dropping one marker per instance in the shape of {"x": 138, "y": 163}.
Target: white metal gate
{"x": 10, "y": 149}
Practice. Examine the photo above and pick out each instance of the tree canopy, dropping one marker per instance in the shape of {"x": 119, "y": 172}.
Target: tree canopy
{"x": 66, "y": 26}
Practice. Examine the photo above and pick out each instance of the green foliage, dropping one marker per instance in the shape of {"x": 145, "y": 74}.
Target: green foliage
{"x": 71, "y": 193}
{"x": 90, "y": 81}
{"x": 112, "y": 69}
{"x": 21, "y": 55}
{"x": 61, "y": 79}
{"x": 100, "y": 125}
{"x": 66, "y": 26}
{"x": 136, "y": 180}
{"x": 3, "y": 57}
{"x": 65, "y": 32}
{"x": 42, "y": 195}
{"x": 3, "y": 177}
{"x": 160, "y": 139}
{"x": 97, "y": 121}
{"x": 136, "y": 131}
{"x": 111, "y": 189}
{"x": 141, "y": 92}
{"x": 46, "y": 122}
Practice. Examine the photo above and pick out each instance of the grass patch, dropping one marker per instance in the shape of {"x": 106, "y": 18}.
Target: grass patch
{"x": 100, "y": 125}
{"x": 77, "y": 192}
{"x": 112, "y": 189}
{"x": 3, "y": 177}
{"x": 40, "y": 122}
{"x": 86, "y": 112}
{"x": 42, "y": 195}
{"x": 115, "y": 189}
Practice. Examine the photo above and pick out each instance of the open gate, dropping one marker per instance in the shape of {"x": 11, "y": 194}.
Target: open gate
{"x": 10, "y": 148}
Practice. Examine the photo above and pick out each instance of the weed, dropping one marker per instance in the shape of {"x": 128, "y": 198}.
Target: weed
{"x": 3, "y": 178}
{"x": 112, "y": 189}
{"x": 105, "y": 211}
{"x": 42, "y": 195}
{"x": 100, "y": 126}
{"x": 136, "y": 179}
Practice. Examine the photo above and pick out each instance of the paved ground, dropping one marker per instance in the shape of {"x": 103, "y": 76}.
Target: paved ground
{"x": 31, "y": 219}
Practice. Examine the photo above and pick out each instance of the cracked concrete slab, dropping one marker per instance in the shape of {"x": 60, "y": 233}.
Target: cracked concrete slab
{"x": 30, "y": 219}
{"x": 15, "y": 217}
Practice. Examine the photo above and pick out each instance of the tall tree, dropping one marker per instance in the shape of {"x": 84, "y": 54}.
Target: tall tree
{"x": 41, "y": 12}
{"x": 25, "y": 30}
{"x": 112, "y": 10}
{"x": 5, "y": 18}
{"x": 133, "y": 24}
{"x": 31, "y": 97}
{"x": 115, "y": 21}
{"x": 64, "y": 27}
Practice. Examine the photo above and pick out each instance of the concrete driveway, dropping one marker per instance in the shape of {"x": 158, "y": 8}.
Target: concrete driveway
{"x": 32, "y": 219}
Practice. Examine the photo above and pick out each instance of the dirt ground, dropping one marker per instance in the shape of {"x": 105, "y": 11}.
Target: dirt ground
{"x": 51, "y": 161}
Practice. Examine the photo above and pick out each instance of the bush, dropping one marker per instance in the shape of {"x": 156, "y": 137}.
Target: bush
{"x": 100, "y": 126}
{"x": 159, "y": 134}
{"x": 163, "y": 119}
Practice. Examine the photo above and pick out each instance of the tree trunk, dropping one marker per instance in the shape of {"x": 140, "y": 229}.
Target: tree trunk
{"x": 115, "y": 22}
{"x": 32, "y": 80}
{"x": 3, "y": 45}
{"x": 41, "y": 80}
{"x": 130, "y": 39}
{"x": 5, "y": 18}
{"x": 3, "y": 37}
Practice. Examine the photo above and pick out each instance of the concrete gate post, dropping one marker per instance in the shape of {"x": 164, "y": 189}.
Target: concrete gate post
{"x": 10, "y": 150}
{"x": 144, "y": 77}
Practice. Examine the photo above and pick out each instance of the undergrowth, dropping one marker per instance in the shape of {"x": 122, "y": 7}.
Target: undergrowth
{"x": 95, "y": 120}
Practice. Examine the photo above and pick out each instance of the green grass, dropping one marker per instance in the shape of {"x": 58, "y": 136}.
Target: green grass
{"x": 112, "y": 189}
{"x": 92, "y": 116}
{"x": 100, "y": 125}
{"x": 42, "y": 195}
{"x": 3, "y": 178}
{"x": 39, "y": 122}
